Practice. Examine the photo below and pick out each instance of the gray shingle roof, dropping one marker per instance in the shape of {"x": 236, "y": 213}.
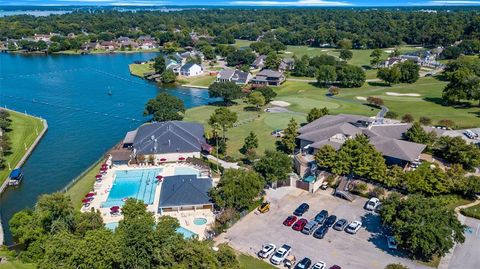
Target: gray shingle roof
{"x": 185, "y": 190}
{"x": 169, "y": 137}
{"x": 269, "y": 73}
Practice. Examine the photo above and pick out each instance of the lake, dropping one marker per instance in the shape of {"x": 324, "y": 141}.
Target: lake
{"x": 71, "y": 93}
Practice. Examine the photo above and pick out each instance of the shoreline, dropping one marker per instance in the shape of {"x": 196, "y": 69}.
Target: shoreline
{"x": 79, "y": 52}
{"x": 22, "y": 161}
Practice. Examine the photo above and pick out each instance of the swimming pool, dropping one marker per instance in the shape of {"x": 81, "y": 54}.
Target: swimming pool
{"x": 200, "y": 221}
{"x": 187, "y": 234}
{"x": 138, "y": 184}
{"x": 111, "y": 225}
{"x": 182, "y": 170}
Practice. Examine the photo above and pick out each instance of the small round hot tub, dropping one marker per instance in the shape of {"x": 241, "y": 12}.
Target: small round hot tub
{"x": 200, "y": 221}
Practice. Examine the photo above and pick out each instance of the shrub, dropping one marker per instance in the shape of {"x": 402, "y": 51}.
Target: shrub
{"x": 375, "y": 101}
{"x": 333, "y": 90}
{"x": 377, "y": 192}
{"x": 425, "y": 121}
{"x": 446, "y": 122}
{"x": 408, "y": 118}
{"x": 391, "y": 115}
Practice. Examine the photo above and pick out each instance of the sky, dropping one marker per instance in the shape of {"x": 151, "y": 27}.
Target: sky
{"x": 305, "y": 3}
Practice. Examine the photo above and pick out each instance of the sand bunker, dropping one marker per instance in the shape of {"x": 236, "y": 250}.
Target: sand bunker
{"x": 361, "y": 98}
{"x": 324, "y": 50}
{"x": 401, "y": 94}
{"x": 388, "y": 51}
{"x": 280, "y": 103}
{"x": 288, "y": 52}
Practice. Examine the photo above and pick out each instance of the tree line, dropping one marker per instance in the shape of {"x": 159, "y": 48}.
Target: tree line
{"x": 5, "y": 144}
{"x": 313, "y": 27}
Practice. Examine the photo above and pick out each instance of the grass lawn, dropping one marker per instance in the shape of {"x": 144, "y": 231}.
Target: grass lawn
{"x": 84, "y": 184}
{"x": 473, "y": 211}
{"x": 249, "y": 262}
{"x": 140, "y": 69}
{"x": 24, "y": 132}
{"x": 242, "y": 43}
{"x": 13, "y": 263}
{"x": 202, "y": 81}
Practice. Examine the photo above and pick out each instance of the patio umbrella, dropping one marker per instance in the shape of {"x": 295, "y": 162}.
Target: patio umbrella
{"x": 159, "y": 177}
{"x": 98, "y": 176}
{"x": 181, "y": 158}
{"x": 114, "y": 208}
{"x": 163, "y": 159}
{"x": 90, "y": 194}
{"x": 86, "y": 201}
{"x": 103, "y": 169}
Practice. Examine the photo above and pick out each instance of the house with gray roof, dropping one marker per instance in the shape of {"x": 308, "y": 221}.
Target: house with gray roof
{"x": 259, "y": 62}
{"x": 334, "y": 130}
{"x": 185, "y": 192}
{"x": 268, "y": 77}
{"x": 166, "y": 141}
{"x": 191, "y": 69}
{"x": 233, "y": 75}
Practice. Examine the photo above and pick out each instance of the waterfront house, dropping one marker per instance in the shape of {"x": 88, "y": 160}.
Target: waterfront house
{"x": 233, "y": 75}
{"x": 259, "y": 62}
{"x": 123, "y": 39}
{"x": 190, "y": 70}
{"x": 166, "y": 141}
{"x": 268, "y": 77}
{"x": 173, "y": 65}
{"x": 185, "y": 192}
{"x": 129, "y": 44}
{"x": 334, "y": 130}
{"x": 90, "y": 46}
{"x": 146, "y": 42}
{"x": 108, "y": 45}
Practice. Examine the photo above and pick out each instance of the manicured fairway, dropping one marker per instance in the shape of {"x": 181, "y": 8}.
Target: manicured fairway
{"x": 25, "y": 130}
{"x": 140, "y": 69}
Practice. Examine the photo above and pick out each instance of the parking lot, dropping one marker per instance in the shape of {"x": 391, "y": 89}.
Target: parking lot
{"x": 366, "y": 249}
{"x": 466, "y": 255}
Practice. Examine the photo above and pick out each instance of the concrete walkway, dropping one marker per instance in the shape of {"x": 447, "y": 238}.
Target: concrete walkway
{"x": 224, "y": 164}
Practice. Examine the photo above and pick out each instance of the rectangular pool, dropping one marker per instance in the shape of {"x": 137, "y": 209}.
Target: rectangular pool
{"x": 138, "y": 184}
{"x": 182, "y": 170}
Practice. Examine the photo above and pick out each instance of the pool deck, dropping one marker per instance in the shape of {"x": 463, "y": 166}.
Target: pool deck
{"x": 185, "y": 218}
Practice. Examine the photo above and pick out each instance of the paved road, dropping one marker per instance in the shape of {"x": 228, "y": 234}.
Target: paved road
{"x": 223, "y": 163}
{"x": 467, "y": 255}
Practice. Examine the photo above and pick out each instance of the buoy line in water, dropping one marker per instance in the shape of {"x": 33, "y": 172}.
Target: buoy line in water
{"x": 42, "y": 73}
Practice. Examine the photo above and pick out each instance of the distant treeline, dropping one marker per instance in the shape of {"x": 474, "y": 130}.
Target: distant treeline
{"x": 313, "y": 27}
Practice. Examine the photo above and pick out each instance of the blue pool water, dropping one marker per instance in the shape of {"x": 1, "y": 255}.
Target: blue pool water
{"x": 111, "y": 225}
{"x": 187, "y": 234}
{"x": 186, "y": 171}
{"x": 138, "y": 184}
{"x": 70, "y": 91}
{"x": 200, "y": 221}
{"x": 309, "y": 179}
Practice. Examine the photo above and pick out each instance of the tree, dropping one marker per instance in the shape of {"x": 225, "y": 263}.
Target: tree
{"x": 256, "y": 99}
{"x": 391, "y": 115}
{"x": 326, "y": 156}
{"x": 250, "y": 143}
{"x": 333, "y": 90}
{"x": 165, "y": 107}
{"x": 289, "y": 136}
{"x": 277, "y": 46}
{"x": 408, "y": 118}
{"x": 457, "y": 150}
{"x": 375, "y": 101}
{"x": 396, "y": 266}
{"x": 316, "y": 113}
{"x": 224, "y": 118}
{"x": 159, "y": 64}
{"x": 351, "y": 76}
{"x": 345, "y": 44}
{"x": 417, "y": 134}
{"x": 237, "y": 189}
{"x": 389, "y": 75}
{"x": 274, "y": 166}
{"x": 446, "y": 123}
{"x": 425, "y": 121}
{"x": 376, "y": 57}
{"x": 346, "y": 54}
{"x": 463, "y": 85}
{"x": 226, "y": 90}
{"x": 168, "y": 76}
{"x": 326, "y": 74}
{"x": 240, "y": 57}
{"x": 272, "y": 61}
{"x": 409, "y": 72}
{"x": 227, "y": 257}
{"x": 424, "y": 227}
{"x": 267, "y": 93}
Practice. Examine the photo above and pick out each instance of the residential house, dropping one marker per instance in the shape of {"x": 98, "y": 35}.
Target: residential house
{"x": 268, "y": 77}
{"x": 391, "y": 61}
{"x": 173, "y": 65}
{"x": 190, "y": 70}
{"x": 423, "y": 58}
{"x": 43, "y": 37}
{"x": 129, "y": 44}
{"x": 185, "y": 192}
{"x": 90, "y": 46}
{"x": 259, "y": 62}
{"x": 287, "y": 64}
{"x": 147, "y": 42}
{"x": 166, "y": 141}
{"x": 233, "y": 75}
{"x": 334, "y": 130}
{"x": 108, "y": 45}
{"x": 123, "y": 39}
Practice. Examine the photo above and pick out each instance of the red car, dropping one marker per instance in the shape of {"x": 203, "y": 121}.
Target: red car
{"x": 298, "y": 226}
{"x": 335, "y": 267}
{"x": 289, "y": 220}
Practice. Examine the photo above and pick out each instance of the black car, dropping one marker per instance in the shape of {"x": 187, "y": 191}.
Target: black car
{"x": 330, "y": 220}
{"x": 340, "y": 225}
{"x": 320, "y": 232}
{"x": 321, "y": 217}
{"x": 301, "y": 209}
{"x": 304, "y": 263}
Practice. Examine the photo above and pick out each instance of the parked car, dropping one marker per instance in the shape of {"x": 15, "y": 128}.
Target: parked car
{"x": 300, "y": 224}
{"x": 392, "y": 244}
{"x": 304, "y": 263}
{"x": 289, "y": 220}
{"x": 280, "y": 254}
{"x": 330, "y": 220}
{"x": 321, "y": 217}
{"x": 470, "y": 134}
{"x": 372, "y": 204}
{"x": 319, "y": 265}
{"x": 353, "y": 227}
{"x": 290, "y": 261}
{"x": 340, "y": 224}
{"x": 267, "y": 250}
{"x": 335, "y": 267}
{"x": 301, "y": 209}
{"x": 310, "y": 227}
{"x": 264, "y": 207}
{"x": 320, "y": 232}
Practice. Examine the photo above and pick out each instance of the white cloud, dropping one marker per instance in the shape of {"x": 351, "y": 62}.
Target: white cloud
{"x": 119, "y": 2}
{"x": 291, "y": 3}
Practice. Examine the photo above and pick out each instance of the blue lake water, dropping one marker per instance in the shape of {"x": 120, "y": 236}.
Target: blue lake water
{"x": 71, "y": 93}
